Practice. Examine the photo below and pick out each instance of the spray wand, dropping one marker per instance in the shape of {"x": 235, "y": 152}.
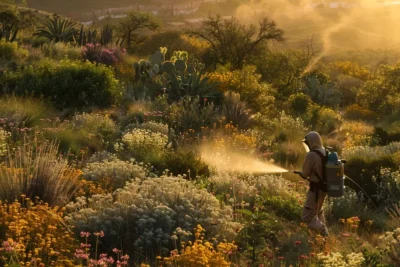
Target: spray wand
{"x": 300, "y": 174}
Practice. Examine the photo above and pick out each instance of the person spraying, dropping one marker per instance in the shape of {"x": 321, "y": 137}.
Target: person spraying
{"x": 325, "y": 173}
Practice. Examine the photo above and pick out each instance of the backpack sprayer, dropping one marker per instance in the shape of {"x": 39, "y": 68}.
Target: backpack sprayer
{"x": 333, "y": 173}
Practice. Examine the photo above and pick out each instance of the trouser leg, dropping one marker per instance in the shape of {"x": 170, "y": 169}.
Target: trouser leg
{"x": 313, "y": 213}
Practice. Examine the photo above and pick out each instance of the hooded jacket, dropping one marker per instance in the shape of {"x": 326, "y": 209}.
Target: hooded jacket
{"x": 313, "y": 162}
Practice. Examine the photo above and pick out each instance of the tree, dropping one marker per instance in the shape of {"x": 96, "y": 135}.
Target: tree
{"x": 57, "y": 29}
{"x": 132, "y": 28}
{"x": 232, "y": 42}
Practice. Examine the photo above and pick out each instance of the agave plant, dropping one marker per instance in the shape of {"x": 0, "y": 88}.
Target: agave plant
{"x": 57, "y": 29}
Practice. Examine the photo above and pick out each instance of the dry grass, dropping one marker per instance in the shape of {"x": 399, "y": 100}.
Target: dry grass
{"x": 37, "y": 170}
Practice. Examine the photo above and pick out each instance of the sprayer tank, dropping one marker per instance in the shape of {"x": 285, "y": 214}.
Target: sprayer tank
{"x": 334, "y": 176}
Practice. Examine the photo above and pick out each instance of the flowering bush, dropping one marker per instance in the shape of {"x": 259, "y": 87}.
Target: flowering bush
{"x": 98, "y": 54}
{"x": 144, "y": 144}
{"x": 335, "y": 259}
{"x": 3, "y": 142}
{"x": 155, "y": 127}
{"x": 113, "y": 173}
{"x": 390, "y": 244}
{"x": 202, "y": 253}
{"x": 144, "y": 215}
{"x": 34, "y": 235}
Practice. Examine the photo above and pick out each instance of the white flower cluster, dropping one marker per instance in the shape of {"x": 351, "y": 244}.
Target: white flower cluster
{"x": 390, "y": 240}
{"x": 152, "y": 126}
{"x": 335, "y": 259}
{"x": 145, "y": 140}
{"x": 245, "y": 188}
{"x": 149, "y": 212}
{"x": 3, "y": 142}
{"x": 117, "y": 170}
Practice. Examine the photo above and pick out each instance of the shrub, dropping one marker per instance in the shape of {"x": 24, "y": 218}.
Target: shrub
{"x": 97, "y": 124}
{"x": 3, "y": 142}
{"x": 288, "y": 153}
{"x": 24, "y": 112}
{"x": 202, "y": 253}
{"x": 36, "y": 170}
{"x": 246, "y": 82}
{"x": 11, "y": 51}
{"x": 69, "y": 84}
{"x": 113, "y": 173}
{"x": 97, "y": 54}
{"x": 155, "y": 127}
{"x": 34, "y": 234}
{"x": 299, "y": 103}
{"x": 190, "y": 115}
{"x": 141, "y": 143}
{"x": 84, "y": 131}
{"x": 60, "y": 51}
{"x": 145, "y": 214}
{"x": 235, "y": 111}
{"x": 356, "y": 112}
{"x": 353, "y": 204}
{"x": 364, "y": 163}
{"x": 326, "y": 120}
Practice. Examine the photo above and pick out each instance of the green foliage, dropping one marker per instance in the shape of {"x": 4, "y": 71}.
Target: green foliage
{"x": 57, "y": 30}
{"x": 68, "y": 84}
{"x": 92, "y": 132}
{"x": 259, "y": 231}
{"x": 299, "y": 103}
{"x": 60, "y": 51}
{"x": 365, "y": 163}
{"x": 287, "y": 208}
{"x": 183, "y": 82}
{"x": 357, "y": 112}
{"x": 382, "y": 94}
{"x": 11, "y": 51}
{"x": 189, "y": 114}
{"x": 259, "y": 96}
{"x": 325, "y": 120}
{"x": 353, "y": 204}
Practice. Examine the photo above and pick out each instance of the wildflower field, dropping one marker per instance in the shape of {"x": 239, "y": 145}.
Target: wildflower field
{"x": 104, "y": 132}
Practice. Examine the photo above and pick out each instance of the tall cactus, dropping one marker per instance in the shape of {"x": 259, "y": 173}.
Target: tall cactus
{"x": 323, "y": 94}
{"x": 106, "y": 35}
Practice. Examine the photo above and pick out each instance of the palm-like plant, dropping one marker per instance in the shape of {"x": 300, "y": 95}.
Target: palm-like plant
{"x": 57, "y": 29}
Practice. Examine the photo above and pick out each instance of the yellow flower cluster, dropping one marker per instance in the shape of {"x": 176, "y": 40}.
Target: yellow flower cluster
{"x": 202, "y": 253}
{"x": 90, "y": 188}
{"x": 34, "y": 235}
{"x": 352, "y": 223}
{"x": 351, "y": 69}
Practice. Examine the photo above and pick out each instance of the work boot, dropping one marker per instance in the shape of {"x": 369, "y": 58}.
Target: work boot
{"x": 325, "y": 232}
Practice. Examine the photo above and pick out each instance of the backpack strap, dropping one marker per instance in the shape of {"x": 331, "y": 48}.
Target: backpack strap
{"x": 324, "y": 160}
{"x": 322, "y": 184}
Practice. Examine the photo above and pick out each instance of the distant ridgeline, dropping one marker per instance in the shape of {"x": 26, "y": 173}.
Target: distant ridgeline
{"x": 88, "y": 8}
